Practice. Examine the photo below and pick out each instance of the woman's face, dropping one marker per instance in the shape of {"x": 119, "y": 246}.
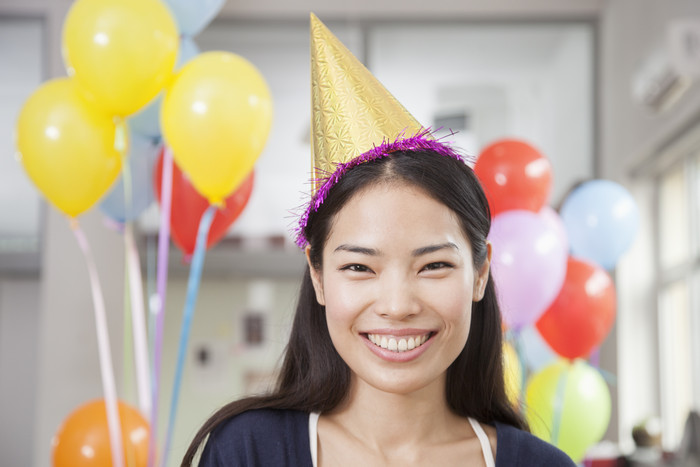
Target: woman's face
{"x": 398, "y": 283}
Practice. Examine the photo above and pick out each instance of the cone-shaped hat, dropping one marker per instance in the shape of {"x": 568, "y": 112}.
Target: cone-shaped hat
{"x": 351, "y": 111}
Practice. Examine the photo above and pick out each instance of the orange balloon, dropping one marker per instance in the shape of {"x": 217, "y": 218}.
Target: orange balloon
{"x": 83, "y": 439}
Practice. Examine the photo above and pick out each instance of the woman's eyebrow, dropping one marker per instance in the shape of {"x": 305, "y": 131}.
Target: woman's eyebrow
{"x": 357, "y": 249}
{"x": 432, "y": 248}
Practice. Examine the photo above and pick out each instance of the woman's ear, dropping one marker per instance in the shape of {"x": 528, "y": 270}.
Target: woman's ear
{"x": 482, "y": 276}
{"x": 315, "y": 278}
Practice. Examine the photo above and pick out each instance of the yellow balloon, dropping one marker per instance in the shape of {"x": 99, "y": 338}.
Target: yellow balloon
{"x": 67, "y": 147}
{"x": 568, "y": 404}
{"x": 122, "y": 52}
{"x": 512, "y": 373}
{"x": 216, "y": 117}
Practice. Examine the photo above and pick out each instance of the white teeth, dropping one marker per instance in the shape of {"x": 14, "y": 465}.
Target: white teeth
{"x": 397, "y": 345}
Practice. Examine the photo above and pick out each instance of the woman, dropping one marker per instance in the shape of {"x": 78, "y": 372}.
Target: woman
{"x": 395, "y": 352}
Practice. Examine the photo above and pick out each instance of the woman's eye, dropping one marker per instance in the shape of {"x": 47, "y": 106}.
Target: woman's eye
{"x": 436, "y": 266}
{"x": 355, "y": 268}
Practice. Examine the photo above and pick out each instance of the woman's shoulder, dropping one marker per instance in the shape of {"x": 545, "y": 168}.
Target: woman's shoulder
{"x": 519, "y": 448}
{"x": 260, "y": 437}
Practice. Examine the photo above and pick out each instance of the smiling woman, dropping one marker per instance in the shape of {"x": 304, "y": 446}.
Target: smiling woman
{"x": 395, "y": 354}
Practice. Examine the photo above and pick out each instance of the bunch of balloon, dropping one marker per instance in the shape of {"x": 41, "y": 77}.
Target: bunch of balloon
{"x": 601, "y": 220}
{"x": 547, "y": 299}
{"x": 83, "y": 440}
{"x": 216, "y": 116}
{"x": 126, "y": 204}
{"x": 70, "y": 133}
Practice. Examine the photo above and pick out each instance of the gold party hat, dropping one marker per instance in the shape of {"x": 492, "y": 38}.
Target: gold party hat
{"x": 351, "y": 111}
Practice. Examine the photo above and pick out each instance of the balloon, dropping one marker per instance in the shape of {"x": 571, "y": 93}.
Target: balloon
{"x": 67, "y": 147}
{"x": 193, "y": 16}
{"x": 582, "y": 314}
{"x": 216, "y": 118}
{"x": 122, "y": 52}
{"x": 528, "y": 265}
{"x": 83, "y": 438}
{"x": 568, "y": 405}
{"x": 538, "y": 353}
{"x": 514, "y": 175}
{"x": 512, "y": 373}
{"x": 147, "y": 120}
{"x": 142, "y": 157}
{"x": 551, "y": 217}
{"x": 188, "y": 207}
{"x": 601, "y": 219}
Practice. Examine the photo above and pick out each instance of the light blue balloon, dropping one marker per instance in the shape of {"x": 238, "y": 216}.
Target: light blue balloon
{"x": 147, "y": 121}
{"x": 142, "y": 157}
{"x": 538, "y": 354}
{"x": 193, "y": 16}
{"x": 601, "y": 220}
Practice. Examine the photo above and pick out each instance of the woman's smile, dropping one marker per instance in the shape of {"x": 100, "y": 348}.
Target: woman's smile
{"x": 397, "y": 346}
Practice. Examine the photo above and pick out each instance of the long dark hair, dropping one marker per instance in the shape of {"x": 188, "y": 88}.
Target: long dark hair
{"x": 314, "y": 378}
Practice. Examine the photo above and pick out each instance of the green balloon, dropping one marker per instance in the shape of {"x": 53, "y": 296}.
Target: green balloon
{"x": 568, "y": 405}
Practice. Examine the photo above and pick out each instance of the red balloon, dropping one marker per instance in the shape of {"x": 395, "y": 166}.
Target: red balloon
{"x": 514, "y": 176}
{"x": 83, "y": 438}
{"x": 582, "y": 314}
{"x": 188, "y": 206}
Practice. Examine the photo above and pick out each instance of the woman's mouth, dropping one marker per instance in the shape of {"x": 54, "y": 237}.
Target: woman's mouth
{"x": 399, "y": 344}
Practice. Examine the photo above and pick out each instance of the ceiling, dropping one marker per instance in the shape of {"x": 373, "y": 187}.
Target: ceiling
{"x": 418, "y": 9}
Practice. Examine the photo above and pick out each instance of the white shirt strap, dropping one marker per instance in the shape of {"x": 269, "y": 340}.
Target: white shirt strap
{"x": 313, "y": 437}
{"x": 484, "y": 441}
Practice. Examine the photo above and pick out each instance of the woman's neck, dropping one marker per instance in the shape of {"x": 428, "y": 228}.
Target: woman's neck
{"x": 386, "y": 420}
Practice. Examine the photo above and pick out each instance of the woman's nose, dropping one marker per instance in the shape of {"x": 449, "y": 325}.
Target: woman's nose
{"x": 397, "y": 298}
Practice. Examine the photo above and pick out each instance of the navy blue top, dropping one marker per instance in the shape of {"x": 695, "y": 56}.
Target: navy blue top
{"x": 280, "y": 438}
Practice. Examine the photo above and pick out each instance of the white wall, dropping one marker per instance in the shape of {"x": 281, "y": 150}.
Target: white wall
{"x": 19, "y": 319}
{"x": 528, "y": 81}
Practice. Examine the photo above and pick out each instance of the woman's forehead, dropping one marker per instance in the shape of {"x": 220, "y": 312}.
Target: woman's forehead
{"x": 388, "y": 213}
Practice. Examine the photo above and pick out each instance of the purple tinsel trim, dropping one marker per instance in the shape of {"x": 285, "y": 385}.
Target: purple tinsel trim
{"x": 418, "y": 142}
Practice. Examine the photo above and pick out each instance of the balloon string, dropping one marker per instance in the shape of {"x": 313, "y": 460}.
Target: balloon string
{"x": 559, "y": 406}
{"x": 161, "y": 287}
{"x": 150, "y": 293}
{"x": 128, "y": 342}
{"x": 138, "y": 320}
{"x": 192, "y": 289}
{"x": 133, "y": 281}
{"x": 108, "y": 385}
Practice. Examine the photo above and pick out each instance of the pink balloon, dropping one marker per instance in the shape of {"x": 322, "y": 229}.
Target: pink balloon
{"x": 528, "y": 264}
